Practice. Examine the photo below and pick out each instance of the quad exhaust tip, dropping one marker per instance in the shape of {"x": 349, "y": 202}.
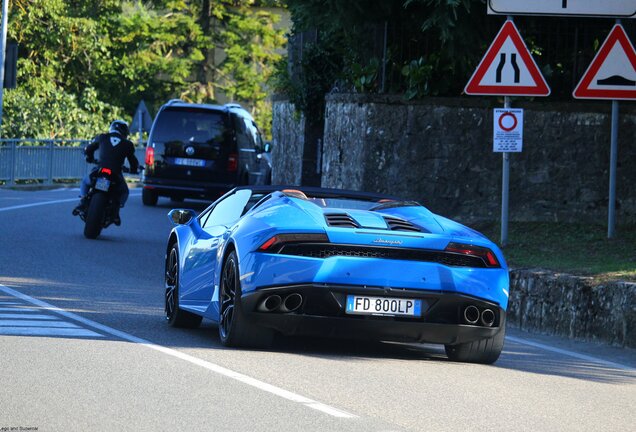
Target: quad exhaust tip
{"x": 487, "y": 317}
{"x": 275, "y": 303}
{"x": 472, "y": 316}
{"x": 270, "y": 304}
{"x": 291, "y": 302}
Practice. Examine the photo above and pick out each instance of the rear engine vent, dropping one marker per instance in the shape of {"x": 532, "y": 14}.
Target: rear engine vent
{"x": 341, "y": 220}
{"x": 396, "y": 224}
{"x": 333, "y": 250}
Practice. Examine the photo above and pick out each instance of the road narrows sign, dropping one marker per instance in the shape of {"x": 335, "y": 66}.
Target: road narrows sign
{"x": 508, "y": 130}
{"x": 612, "y": 73}
{"x": 507, "y": 69}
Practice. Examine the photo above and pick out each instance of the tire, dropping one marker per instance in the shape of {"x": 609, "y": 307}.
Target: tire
{"x": 149, "y": 197}
{"x": 95, "y": 215}
{"x": 234, "y": 328}
{"x": 176, "y": 316}
{"x": 484, "y": 351}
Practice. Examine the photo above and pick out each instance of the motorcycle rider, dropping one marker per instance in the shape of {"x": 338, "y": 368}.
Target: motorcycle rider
{"x": 114, "y": 149}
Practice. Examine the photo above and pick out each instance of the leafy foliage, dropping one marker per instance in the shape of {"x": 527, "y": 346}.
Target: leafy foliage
{"x": 252, "y": 45}
{"x": 85, "y": 58}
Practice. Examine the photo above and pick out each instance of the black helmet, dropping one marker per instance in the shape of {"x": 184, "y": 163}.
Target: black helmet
{"x": 119, "y": 127}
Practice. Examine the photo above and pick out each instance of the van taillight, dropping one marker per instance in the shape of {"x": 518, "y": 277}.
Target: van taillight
{"x": 150, "y": 156}
{"x": 232, "y": 162}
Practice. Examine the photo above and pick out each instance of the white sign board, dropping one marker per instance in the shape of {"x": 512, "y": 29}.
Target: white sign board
{"x": 599, "y": 8}
{"x": 508, "y": 130}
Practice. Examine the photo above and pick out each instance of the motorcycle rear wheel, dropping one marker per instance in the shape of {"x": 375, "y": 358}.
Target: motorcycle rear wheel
{"x": 95, "y": 215}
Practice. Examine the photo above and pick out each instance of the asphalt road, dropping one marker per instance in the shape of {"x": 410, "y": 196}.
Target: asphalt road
{"x": 106, "y": 360}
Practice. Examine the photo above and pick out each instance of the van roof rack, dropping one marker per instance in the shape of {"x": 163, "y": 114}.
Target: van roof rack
{"x": 232, "y": 105}
{"x": 173, "y": 101}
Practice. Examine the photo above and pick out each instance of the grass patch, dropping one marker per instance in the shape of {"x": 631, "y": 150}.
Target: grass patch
{"x": 577, "y": 248}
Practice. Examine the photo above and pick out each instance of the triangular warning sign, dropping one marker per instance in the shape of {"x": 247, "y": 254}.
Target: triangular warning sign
{"x": 507, "y": 69}
{"x": 612, "y": 73}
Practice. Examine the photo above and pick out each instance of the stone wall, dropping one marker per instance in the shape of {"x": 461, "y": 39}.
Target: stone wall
{"x": 573, "y": 307}
{"x": 439, "y": 152}
{"x": 288, "y": 144}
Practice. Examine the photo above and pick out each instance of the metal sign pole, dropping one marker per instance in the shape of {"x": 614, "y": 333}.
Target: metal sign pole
{"x": 611, "y": 205}
{"x": 505, "y": 183}
{"x": 3, "y": 47}
{"x": 611, "y": 214}
{"x": 141, "y": 129}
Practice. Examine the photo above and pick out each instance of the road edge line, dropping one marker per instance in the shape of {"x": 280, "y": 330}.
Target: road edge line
{"x": 262, "y": 385}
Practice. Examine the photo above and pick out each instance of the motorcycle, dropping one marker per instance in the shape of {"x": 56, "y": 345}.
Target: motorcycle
{"x": 101, "y": 207}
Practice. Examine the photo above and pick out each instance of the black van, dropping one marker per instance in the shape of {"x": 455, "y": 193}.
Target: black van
{"x": 202, "y": 151}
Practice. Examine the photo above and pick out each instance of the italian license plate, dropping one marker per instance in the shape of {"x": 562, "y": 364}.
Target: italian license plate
{"x": 102, "y": 184}
{"x": 363, "y": 305}
{"x": 189, "y": 162}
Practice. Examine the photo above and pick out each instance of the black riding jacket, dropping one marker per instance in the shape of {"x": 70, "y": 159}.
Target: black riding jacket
{"x": 113, "y": 151}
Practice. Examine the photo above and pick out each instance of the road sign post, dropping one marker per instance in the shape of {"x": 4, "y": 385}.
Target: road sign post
{"x": 507, "y": 69}
{"x": 505, "y": 188}
{"x": 3, "y": 45}
{"x": 611, "y": 76}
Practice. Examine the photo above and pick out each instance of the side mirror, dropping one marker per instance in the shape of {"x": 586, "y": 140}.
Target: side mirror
{"x": 181, "y": 216}
{"x": 267, "y": 148}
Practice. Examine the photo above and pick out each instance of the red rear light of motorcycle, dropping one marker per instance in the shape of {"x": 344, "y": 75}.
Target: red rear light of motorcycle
{"x": 232, "y": 162}
{"x": 278, "y": 240}
{"x": 150, "y": 156}
{"x": 106, "y": 171}
{"x": 488, "y": 256}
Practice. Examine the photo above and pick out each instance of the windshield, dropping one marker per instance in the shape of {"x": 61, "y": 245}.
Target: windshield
{"x": 358, "y": 204}
{"x": 191, "y": 125}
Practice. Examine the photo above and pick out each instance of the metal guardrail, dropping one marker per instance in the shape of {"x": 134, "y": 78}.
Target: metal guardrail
{"x": 45, "y": 160}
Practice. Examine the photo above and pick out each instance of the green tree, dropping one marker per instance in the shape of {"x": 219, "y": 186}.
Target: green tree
{"x": 100, "y": 57}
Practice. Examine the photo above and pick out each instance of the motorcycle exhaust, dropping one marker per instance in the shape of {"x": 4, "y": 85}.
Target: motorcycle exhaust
{"x": 488, "y": 317}
{"x": 270, "y": 303}
{"x": 291, "y": 302}
{"x": 471, "y": 314}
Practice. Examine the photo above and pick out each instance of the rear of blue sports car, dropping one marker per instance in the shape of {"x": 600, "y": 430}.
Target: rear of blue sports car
{"x": 342, "y": 267}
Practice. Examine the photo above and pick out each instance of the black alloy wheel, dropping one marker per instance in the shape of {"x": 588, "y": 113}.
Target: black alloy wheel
{"x": 176, "y": 316}
{"x": 234, "y": 328}
{"x": 229, "y": 283}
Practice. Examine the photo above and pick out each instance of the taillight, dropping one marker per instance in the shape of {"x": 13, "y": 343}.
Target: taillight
{"x": 232, "y": 162}
{"x": 106, "y": 171}
{"x": 274, "y": 243}
{"x": 150, "y": 156}
{"x": 485, "y": 254}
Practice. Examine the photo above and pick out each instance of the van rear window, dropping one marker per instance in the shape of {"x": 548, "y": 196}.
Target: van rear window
{"x": 191, "y": 125}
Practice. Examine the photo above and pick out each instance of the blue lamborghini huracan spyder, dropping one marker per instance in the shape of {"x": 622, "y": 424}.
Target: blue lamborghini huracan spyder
{"x": 334, "y": 263}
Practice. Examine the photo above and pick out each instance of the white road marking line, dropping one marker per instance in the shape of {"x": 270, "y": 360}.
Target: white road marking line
{"x": 34, "y": 323}
{"x": 191, "y": 359}
{"x": 18, "y": 309}
{"x": 569, "y": 353}
{"x": 65, "y": 189}
{"x": 18, "y": 207}
{"x": 27, "y": 316}
{"x": 37, "y": 204}
{"x": 44, "y": 331}
{"x": 9, "y": 303}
